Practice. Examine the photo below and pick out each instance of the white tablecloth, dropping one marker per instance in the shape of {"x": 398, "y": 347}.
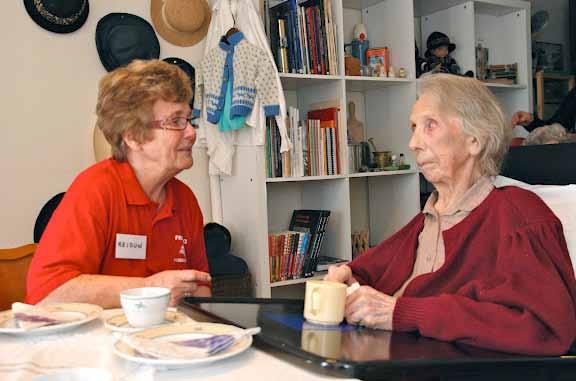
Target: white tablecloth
{"x": 23, "y": 357}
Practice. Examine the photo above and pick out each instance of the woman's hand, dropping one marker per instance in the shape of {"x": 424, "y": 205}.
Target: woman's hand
{"x": 521, "y": 118}
{"x": 180, "y": 282}
{"x": 370, "y": 308}
{"x": 340, "y": 274}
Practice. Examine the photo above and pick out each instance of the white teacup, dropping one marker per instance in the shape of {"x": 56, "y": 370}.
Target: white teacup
{"x": 324, "y": 302}
{"x": 146, "y": 306}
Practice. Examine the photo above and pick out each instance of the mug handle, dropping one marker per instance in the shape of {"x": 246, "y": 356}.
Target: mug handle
{"x": 315, "y": 302}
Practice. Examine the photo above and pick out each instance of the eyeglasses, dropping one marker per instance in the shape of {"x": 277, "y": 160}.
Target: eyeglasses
{"x": 177, "y": 123}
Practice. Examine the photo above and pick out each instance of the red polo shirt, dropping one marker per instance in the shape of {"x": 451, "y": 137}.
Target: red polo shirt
{"x": 106, "y": 200}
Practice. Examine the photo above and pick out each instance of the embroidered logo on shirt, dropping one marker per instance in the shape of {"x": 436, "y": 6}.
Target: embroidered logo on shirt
{"x": 182, "y": 252}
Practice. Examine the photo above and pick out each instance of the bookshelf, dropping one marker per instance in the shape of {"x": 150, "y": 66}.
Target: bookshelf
{"x": 381, "y": 202}
{"x": 503, "y": 26}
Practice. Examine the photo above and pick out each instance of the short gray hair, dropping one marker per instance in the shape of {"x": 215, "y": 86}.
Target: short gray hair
{"x": 480, "y": 114}
{"x": 549, "y": 134}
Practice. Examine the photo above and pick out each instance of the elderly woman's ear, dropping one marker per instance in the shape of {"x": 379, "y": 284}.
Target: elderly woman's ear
{"x": 130, "y": 142}
{"x": 474, "y": 145}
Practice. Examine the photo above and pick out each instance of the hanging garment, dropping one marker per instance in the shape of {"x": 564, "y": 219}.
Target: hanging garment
{"x": 220, "y": 145}
{"x": 227, "y": 122}
{"x": 250, "y": 75}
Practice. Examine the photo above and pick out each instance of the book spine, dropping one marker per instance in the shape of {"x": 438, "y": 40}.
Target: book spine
{"x": 282, "y": 55}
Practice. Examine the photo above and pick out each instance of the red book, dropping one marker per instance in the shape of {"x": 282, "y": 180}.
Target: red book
{"x": 329, "y": 115}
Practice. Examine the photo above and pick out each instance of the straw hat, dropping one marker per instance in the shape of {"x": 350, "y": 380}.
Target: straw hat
{"x": 181, "y": 22}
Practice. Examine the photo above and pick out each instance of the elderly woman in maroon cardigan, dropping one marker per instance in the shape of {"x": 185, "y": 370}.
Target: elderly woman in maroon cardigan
{"x": 480, "y": 265}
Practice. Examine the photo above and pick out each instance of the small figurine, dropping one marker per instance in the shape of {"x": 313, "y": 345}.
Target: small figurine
{"x": 360, "y": 43}
{"x": 402, "y": 73}
{"x": 392, "y": 72}
{"x": 437, "y": 56}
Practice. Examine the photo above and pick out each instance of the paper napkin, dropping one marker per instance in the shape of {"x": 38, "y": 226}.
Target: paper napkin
{"x": 30, "y": 317}
{"x": 185, "y": 349}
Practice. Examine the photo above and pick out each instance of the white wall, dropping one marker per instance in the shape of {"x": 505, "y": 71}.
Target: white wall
{"x": 47, "y": 98}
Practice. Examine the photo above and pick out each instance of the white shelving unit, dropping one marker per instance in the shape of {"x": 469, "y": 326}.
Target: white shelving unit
{"x": 503, "y": 26}
{"x": 381, "y": 202}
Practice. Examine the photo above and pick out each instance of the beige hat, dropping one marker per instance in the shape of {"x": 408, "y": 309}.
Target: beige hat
{"x": 181, "y": 22}
{"x": 102, "y": 149}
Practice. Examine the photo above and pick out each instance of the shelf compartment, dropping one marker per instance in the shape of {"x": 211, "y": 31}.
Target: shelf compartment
{"x": 357, "y": 83}
{"x": 317, "y": 275}
{"x": 297, "y": 81}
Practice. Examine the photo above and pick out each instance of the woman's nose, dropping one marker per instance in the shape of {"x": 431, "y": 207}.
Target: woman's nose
{"x": 190, "y": 132}
{"x": 414, "y": 143}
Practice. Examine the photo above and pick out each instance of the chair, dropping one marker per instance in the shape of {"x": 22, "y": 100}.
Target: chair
{"x": 14, "y": 262}
{"x": 13, "y": 270}
{"x": 230, "y": 274}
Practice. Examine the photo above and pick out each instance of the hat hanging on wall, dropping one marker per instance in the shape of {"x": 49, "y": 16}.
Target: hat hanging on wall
{"x": 58, "y": 16}
{"x": 187, "y": 68}
{"x": 123, "y": 37}
{"x": 181, "y": 22}
{"x": 102, "y": 149}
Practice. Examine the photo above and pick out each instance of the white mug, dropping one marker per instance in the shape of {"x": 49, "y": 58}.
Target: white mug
{"x": 145, "y": 306}
{"x": 324, "y": 302}
{"x": 322, "y": 341}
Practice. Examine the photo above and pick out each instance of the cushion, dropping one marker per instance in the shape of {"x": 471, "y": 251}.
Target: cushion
{"x": 561, "y": 199}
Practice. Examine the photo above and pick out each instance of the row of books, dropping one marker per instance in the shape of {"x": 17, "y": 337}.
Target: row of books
{"x": 303, "y": 36}
{"x": 294, "y": 253}
{"x": 505, "y": 73}
{"x": 315, "y": 145}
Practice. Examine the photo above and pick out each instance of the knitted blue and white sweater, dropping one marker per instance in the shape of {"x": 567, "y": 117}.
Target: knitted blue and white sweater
{"x": 251, "y": 73}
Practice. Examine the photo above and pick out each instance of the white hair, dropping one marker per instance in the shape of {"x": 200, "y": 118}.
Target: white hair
{"x": 478, "y": 110}
{"x": 549, "y": 134}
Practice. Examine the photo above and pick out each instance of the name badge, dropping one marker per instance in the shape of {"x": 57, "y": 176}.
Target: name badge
{"x": 130, "y": 246}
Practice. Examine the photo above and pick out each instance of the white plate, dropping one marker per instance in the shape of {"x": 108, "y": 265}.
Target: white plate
{"x": 117, "y": 321}
{"x": 84, "y": 313}
{"x": 184, "y": 332}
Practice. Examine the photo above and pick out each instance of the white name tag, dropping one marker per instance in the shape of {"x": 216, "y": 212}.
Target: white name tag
{"x": 130, "y": 246}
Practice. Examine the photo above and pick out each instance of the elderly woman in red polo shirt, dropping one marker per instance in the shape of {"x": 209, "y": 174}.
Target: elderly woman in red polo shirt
{"x": 480, "y": 265}
{"x": 126, "y": 221}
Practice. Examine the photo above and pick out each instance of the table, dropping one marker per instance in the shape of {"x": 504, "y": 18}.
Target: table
{"x": 23, "y": 357}
{"x": 369, "y": 354}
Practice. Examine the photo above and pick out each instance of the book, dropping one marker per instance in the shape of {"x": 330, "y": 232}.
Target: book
{"x": 313, "y": 222}
{"x": 324, "y": 262}
{"x": 282, "y": 47}
{"x": 329, "y": 119}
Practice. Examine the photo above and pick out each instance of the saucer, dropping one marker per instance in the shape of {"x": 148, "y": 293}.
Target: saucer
{"x": 183, "y": 332}
{"x": 73, "y": 315}
{"x": 119, "y": 323}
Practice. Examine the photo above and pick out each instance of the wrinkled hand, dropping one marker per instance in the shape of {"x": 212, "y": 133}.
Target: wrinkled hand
{"x": 370, "y": 308}
{"x": 521, "y": 118}
{"x": 180, "y": 282}
{"x": 340, "y": 274}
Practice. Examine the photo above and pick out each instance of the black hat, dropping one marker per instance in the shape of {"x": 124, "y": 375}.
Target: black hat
{"x": 438, "y": 39}
{"x": 187, "y": 68}
{"x": 58, "y": 16}
{"x": 122, "y": 38}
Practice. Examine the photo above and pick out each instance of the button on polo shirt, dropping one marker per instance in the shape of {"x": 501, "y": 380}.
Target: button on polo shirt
{"x": 103, "y": 201}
